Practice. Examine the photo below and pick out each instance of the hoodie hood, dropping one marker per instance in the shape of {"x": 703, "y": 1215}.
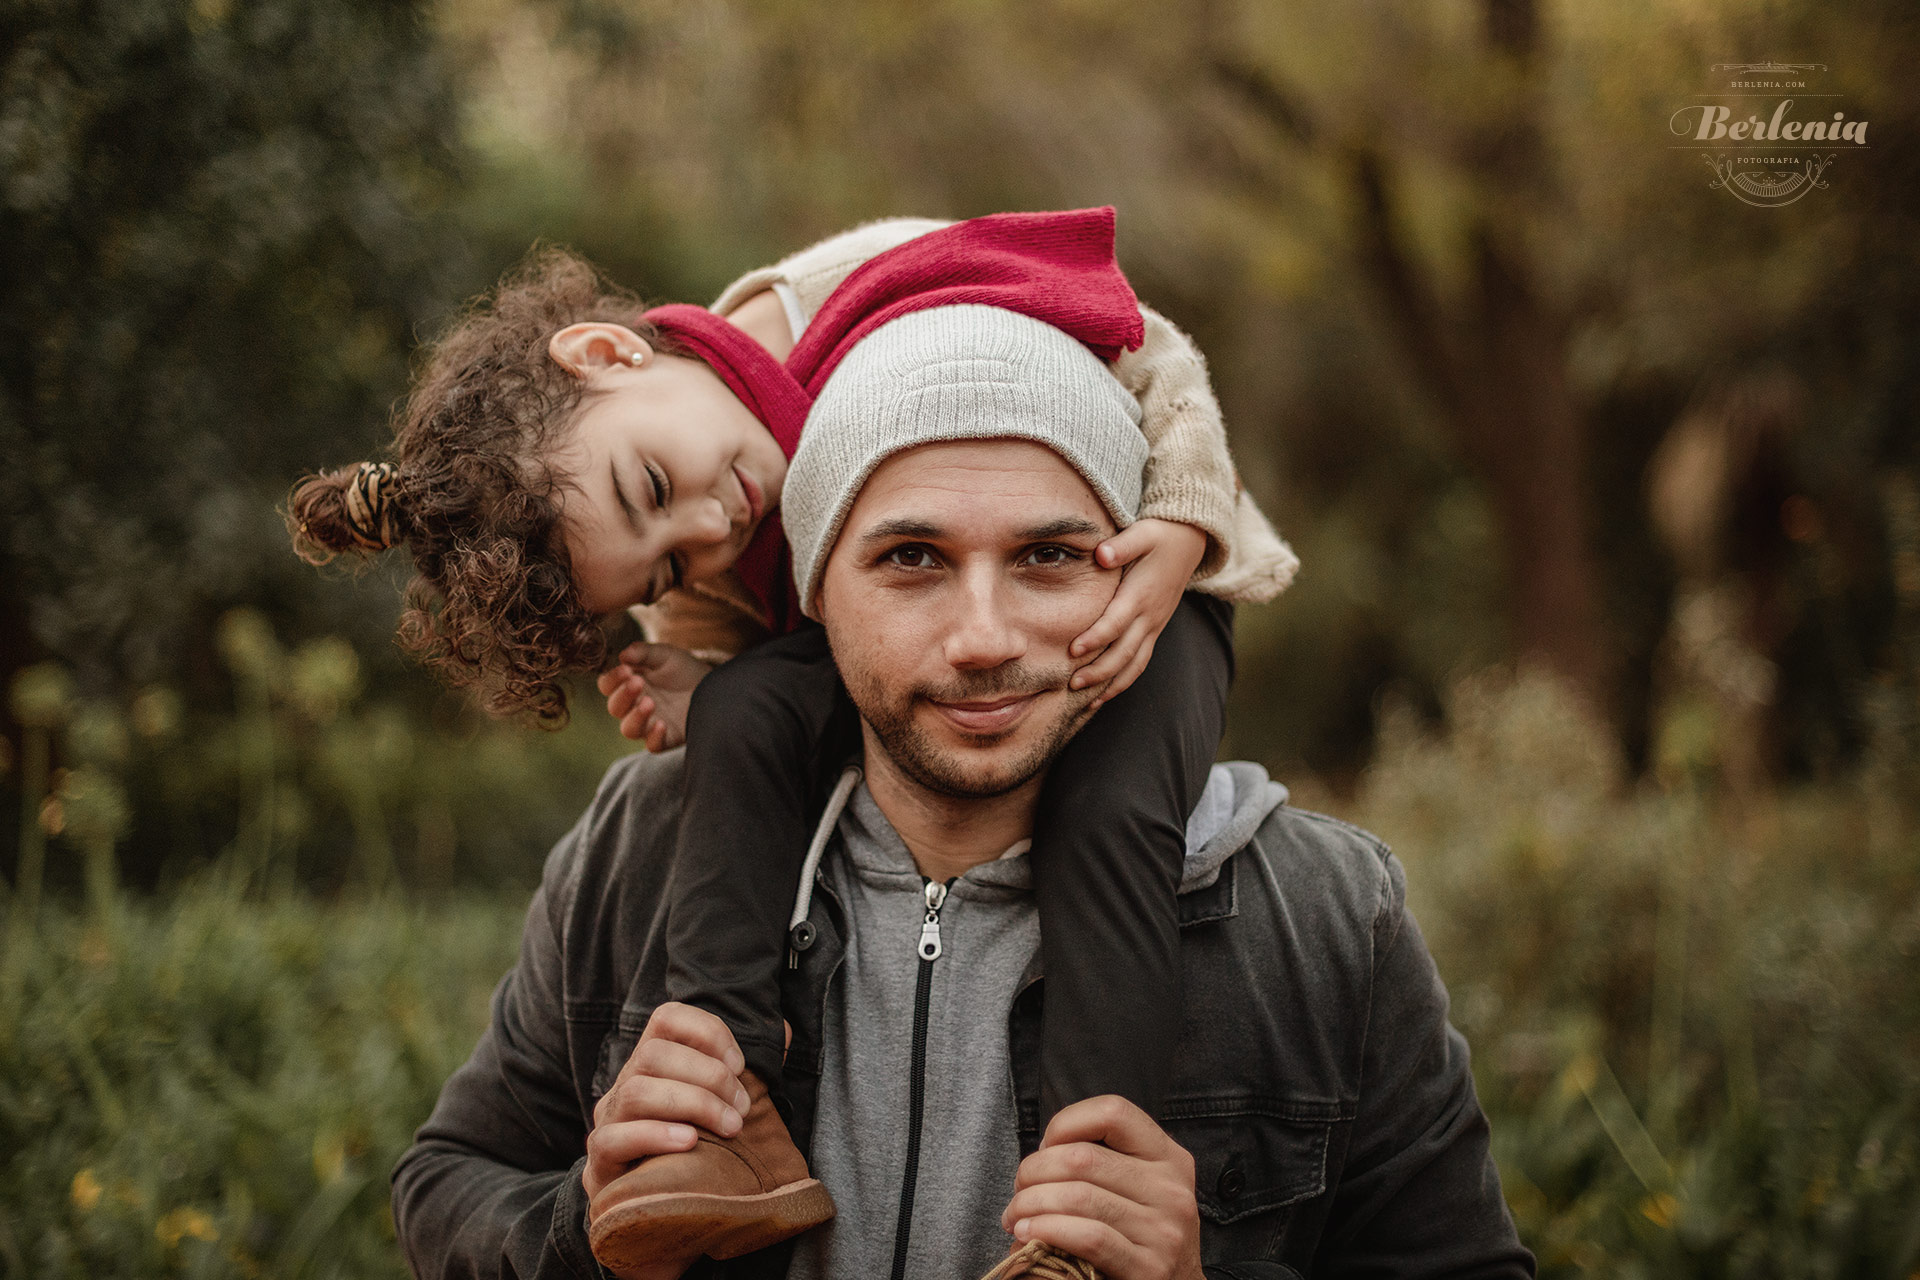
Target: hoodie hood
{"x": 1238, "y": 798}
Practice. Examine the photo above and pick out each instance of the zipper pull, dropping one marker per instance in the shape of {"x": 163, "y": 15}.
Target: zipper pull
{"x": 930, "y": 931}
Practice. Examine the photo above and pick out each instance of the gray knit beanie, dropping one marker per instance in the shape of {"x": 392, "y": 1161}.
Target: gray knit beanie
{"x": 956, "y": 373}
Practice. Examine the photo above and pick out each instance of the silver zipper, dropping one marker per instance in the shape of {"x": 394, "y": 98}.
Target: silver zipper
{"x": 930, "y": 931}
{"x": 929, "y": 951}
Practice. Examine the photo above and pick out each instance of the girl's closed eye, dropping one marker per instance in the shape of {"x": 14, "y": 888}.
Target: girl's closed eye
{"x": 662, "y": 488}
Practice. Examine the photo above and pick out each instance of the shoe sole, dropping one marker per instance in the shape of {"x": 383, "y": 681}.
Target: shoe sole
{"x": 686, "y": 1224}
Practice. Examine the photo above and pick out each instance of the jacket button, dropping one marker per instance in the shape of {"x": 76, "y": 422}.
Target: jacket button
{"x": 1233, "y": 1180}
{"x": 802, "y": 935}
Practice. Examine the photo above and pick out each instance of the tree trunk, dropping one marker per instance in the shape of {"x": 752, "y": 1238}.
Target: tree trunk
{"x": 1529, "y": 442}
{"x": 1494, "y": 362}
{"x": 1498, "y": 375}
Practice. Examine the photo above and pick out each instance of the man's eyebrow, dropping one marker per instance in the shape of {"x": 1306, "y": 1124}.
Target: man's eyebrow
{"x": 900, "y": 527}
{"x": 1064, "y": 527}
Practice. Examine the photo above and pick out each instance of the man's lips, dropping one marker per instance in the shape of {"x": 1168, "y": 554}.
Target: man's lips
{"x": 755, "y": 496}
{"x": 986, "y": 715}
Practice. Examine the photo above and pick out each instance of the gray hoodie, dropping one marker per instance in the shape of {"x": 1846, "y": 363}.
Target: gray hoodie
{"x": 988, "y": 933}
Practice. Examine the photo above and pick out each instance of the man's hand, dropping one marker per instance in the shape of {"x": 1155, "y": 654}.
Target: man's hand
{"x": 684, "y": 1072}
{"x": 648, "y": 689}
{"x": 1108, "y": 1185}
{"x": 1160, "y": 557}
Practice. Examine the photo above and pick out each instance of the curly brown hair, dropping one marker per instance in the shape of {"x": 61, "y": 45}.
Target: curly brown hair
{"x": 493, "y": 605}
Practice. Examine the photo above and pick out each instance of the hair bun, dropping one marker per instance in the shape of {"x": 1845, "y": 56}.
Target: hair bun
{"x": 352, "y": 509}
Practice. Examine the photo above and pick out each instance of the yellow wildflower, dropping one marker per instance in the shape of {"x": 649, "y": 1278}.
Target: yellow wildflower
{"x": 184, "y": 1222}
{"x": 329, "y": 1156}
{"x": 86, "y": 1191}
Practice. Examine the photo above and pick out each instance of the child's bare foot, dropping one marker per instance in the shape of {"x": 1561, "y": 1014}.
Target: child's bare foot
{"x": 648, "y": 691}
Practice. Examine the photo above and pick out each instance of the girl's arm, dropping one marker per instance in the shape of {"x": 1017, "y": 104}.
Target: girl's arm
{"x": 1160, "y": 557}
{"x": 1190, "y": 477}
{"x": 1198, "y": 527}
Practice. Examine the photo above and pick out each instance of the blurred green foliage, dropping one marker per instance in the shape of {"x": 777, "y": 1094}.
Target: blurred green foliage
{"x": 304, "y": 782}
{"x": 1694, "y": 1023}
{"x": 213, "y": 1088}
{"x": 220, "y": 226}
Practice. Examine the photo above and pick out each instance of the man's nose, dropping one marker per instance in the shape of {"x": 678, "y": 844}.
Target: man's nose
{"x": 982, "y": 632}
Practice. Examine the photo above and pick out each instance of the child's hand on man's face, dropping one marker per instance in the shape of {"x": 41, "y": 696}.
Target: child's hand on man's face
{"x": 648, "y": 689}
{"x": 1160, "y": 557}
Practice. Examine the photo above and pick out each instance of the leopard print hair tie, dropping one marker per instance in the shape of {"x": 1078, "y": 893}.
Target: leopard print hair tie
{"x": 372, "y": 518}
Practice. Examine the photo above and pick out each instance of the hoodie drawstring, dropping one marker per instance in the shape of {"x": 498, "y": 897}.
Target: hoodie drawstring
{"x": 799, "y": 928}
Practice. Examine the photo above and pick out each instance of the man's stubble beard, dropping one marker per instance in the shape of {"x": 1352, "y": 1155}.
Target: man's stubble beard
{"x": 943, "y": 771}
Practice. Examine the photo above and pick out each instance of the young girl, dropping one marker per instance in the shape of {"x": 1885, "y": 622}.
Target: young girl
{"x": 563, "y": 457}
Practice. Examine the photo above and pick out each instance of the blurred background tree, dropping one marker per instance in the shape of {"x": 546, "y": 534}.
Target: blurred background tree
{"x": 220, "y": 226}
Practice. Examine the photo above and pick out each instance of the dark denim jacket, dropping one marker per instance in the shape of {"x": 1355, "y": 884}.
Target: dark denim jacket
{"x": 1324, "y": 1097}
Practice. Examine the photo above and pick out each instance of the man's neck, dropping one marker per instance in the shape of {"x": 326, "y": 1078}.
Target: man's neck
{"x": 948, "y": 836}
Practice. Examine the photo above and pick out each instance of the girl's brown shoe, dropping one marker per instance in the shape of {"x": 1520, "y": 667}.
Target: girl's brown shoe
{"x": 723, "y": 1198}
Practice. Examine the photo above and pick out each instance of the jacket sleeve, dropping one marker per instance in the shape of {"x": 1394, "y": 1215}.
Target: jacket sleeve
{"x": 491, "y": 1186}
{"x": 1419, "y": 1194}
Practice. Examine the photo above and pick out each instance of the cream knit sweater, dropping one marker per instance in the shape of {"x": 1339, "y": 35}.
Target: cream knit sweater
{"x": 1190, "y": 475}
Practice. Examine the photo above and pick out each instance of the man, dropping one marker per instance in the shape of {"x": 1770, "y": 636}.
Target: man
{"x": 1321, "y": 1119}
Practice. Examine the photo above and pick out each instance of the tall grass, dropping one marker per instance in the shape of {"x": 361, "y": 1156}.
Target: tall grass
{"x": 207, "y": 1086}
{"x": 1696, "y": 1018}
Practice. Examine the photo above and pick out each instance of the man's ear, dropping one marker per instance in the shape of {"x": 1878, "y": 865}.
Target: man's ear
{"x": 586, "y": 349}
